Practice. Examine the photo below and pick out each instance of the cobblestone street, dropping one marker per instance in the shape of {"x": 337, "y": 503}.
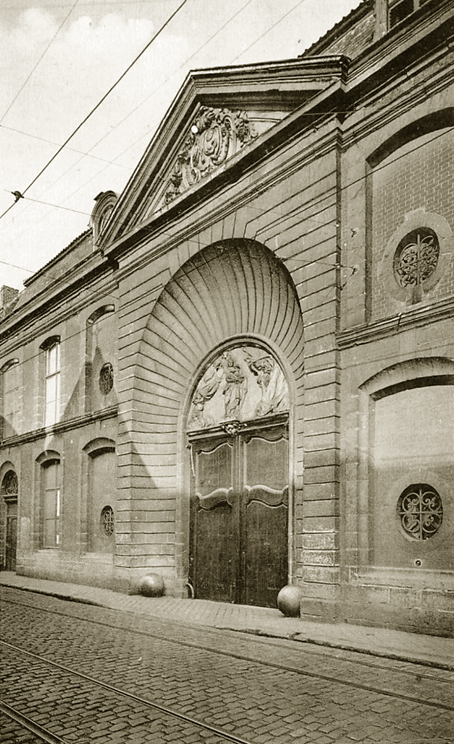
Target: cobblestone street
{"x": 90, "y": 674}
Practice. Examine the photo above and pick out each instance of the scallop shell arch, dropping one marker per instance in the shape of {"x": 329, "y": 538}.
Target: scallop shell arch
{"x": 232, "y": 290}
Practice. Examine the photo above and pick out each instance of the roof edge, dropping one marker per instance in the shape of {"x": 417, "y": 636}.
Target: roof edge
{"x": 356, "y": 14}
{"x": 58, "y": 257}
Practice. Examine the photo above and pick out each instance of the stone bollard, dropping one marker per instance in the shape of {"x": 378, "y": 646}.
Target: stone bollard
{"x": 288, "y": 600}
{"x": 152, "y": 585}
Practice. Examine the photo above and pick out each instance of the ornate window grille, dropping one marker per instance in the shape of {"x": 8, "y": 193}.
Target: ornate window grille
{"x": 106, "y": 378}
{"x": 107, "y": 521}
{"x": 420, "y": 510}
{"x": 416, "y": 259}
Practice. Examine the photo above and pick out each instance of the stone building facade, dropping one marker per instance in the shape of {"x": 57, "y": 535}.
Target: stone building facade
{"x": 242, "y": 375}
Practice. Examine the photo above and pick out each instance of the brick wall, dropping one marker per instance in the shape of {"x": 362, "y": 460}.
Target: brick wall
{"x": 417, "y": 176}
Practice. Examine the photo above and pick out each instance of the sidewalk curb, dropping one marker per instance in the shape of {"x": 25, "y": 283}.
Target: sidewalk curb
{"x": 298, "y": 637}
{"x": 56, "y": 595}
{"x": 301, "y": 638}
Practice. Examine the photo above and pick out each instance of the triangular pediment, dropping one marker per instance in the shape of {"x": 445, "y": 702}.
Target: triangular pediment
{"x": 217, "y": 116}
{"x": 213, "y": 136}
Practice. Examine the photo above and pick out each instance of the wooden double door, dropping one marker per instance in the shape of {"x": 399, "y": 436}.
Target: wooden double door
{"x": 239, "y": 515}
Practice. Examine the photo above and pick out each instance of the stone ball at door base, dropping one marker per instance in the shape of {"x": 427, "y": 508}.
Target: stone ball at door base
{"x": 288, "y": 600}
{"x": 152, "y": 585}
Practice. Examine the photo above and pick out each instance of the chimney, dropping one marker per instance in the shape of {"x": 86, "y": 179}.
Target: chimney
{"x": 381, "y": 18}
{"x": 7, "y": 295}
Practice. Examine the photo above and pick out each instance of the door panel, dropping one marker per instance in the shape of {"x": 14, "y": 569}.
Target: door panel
{"x": 214, "y": 467}
{"x": 213, "y": 563}
{"x": 265, "y": 519}
{"x": 214, "y": 553}
{"x": 266, "y": 459}
{"x": 265, "y": 553}
{"x": 239, "y": 517}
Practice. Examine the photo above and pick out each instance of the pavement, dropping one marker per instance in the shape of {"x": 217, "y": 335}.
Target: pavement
{"x": 394, "y": 644}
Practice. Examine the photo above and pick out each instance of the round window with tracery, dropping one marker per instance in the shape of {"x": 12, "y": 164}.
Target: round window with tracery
{"x": 416, "y": 259}
{"x": 107, "y": 521}
{"x": 420, "y": 510}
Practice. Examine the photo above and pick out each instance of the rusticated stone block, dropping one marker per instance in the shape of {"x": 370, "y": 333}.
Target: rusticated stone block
{"x": 319, "y": 491}
{"x": 320, "y": 541}
{"x": 443, "y": 600}
{"x": 317, "y": 611}
{"x": 320, "y": 474}
{"x": 325, "y": 508}
{"x": 322, "y": 575}
{"x": 320, "y": 524}
{"x": 405, "y": 598}
{"x": 320, "y": 557}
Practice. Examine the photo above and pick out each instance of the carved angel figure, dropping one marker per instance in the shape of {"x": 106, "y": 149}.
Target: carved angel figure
{"x": 273, "y": 384}
{"x": 235, "y": 387}
{"x": 206, "y": 389}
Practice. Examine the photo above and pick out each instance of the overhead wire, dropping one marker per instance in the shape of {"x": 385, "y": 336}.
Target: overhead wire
{"x": 27, "y": 80}
{"x": 288, "y": 214}
{"x": 100, "y": 102}
{"x": 129, "y": 147}
{"x": 231, "y": 18}
{"x": 39, "y": 61}
{"x": 300, "y": 2}
{"x": 70, "y": 149}
{"x": 147, "y": 98}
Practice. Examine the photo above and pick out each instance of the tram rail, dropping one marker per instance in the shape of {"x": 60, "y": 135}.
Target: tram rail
{"x": 27, "y": 723}
{"x": 222, "y": 735}
{"x": 293, "y": 668}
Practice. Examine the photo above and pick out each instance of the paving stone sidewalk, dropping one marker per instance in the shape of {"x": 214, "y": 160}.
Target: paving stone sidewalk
{"x": 425, "y": 649}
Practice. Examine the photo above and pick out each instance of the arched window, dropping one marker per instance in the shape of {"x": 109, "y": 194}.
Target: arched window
{"x": 51, "y": 499}
{"x": 51, "y": 348}
{"x": 407, "y": 431}
{"x": 8, "y": 540}
{"x": 99, "y": 487}
{"x": 10, "y": 389}
{"x": 100, "y": 358}
{"x": 9, "y": 487}
{"x": 410, "y": 234}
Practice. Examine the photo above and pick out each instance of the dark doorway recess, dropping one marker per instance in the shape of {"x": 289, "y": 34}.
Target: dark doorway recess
{"x": 239, "y": 512}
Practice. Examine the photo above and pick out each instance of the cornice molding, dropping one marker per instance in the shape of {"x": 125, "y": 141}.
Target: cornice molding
{"x": 427, "y": 29}
{"x": 407, "y": 319}
{"x": 229, "y": 206}
{"x": 44, "y": 304}
{"x": 323, "y": 73}
{"x": 241, "y": 165}
{"x": 60, "y": 428}
{"x": 415, "y": 96}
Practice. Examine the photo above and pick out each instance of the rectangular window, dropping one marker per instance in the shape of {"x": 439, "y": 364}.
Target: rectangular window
{"x": 51, "y": 505}
{"x": 10, "y": 402}
{"x": 52, "y": 384}
{"x": 400, "y": 9}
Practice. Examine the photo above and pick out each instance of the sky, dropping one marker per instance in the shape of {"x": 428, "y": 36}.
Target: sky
{"x": 60, "y": 57}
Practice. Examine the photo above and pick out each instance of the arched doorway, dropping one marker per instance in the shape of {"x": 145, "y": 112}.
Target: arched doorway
{"x": 233, "y": 293}
{"x": 9, "y": 491}
{"x": 238, "y": 435}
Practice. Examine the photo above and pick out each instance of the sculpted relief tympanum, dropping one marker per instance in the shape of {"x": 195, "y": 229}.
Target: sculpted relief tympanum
{"x": 241, "y": 384}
